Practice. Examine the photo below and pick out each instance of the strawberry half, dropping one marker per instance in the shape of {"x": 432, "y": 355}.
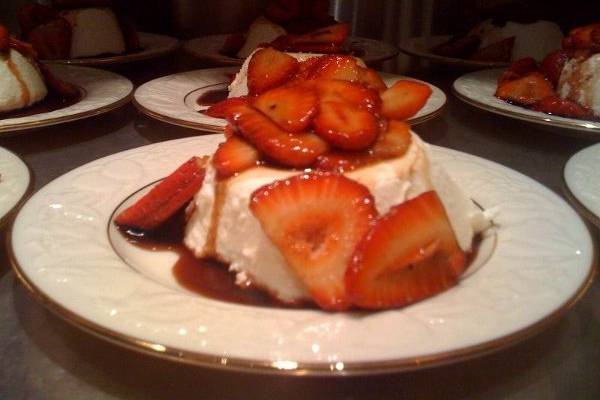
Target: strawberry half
{"x": 269, "y": 68}
{"x": 292, "y": 108}
{"x": 527, "y": 90}
{"x": 351, "y": 92}
{"x": 225, "y": 108}
{"x": 404, "y": 99}
{"x": 297, "y": 150}
{"x": 336, "y": 67}
{"x": 345, "y": 125}
{"x": 166, "y": 198}
{"x": 233, "y": 156}
{"x": 315, "y": 220}
{"x": 409, "y": 254}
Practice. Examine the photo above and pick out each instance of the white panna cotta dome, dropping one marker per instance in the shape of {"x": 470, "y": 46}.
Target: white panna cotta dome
{"x": 21, "y": 83}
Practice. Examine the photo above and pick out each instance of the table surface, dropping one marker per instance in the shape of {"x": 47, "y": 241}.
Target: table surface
{"x": 44, "y": 357}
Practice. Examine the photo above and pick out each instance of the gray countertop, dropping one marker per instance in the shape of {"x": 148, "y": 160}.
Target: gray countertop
{"x": 44, "y": 357}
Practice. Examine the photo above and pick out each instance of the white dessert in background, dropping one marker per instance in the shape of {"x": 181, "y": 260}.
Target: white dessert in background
{"x": 95, "y": 31}
{"x": 580, "y": 82}
{"x": 240, "y": 241}
{"x": 21, "y": 83}
{"x": 535, "y": 39}
{"x": 239, "y": 86}
{"x": 260, "y": 31}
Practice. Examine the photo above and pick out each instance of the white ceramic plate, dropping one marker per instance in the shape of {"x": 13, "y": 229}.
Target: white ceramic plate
{"x": 421, "y": 47}
{"x": 173, "y": 98}
{"x": 15, "y": 180}
{"x": 582, "y": 183}
{"x": 478, "y": 88}
{"x": 541, "y": 265}
{"x": 152, "y": 44}
{"x": 103, "y": 91}
{"x": 210, "y": 48}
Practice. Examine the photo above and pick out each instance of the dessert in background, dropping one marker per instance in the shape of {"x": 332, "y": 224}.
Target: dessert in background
{"x": 565, "y": 83}
{"x": 76, "y": 29}
{"x": 505, "y": 42}
{"x": 320, "y": 192}
{"x": 24, "y": 81}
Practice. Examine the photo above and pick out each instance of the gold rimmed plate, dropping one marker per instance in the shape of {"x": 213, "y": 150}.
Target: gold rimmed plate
{"x": 175, "y": 98}
{"x": 421, "y": 46}
{"x": 102, "y": 91}
{"x": 15, "y": 182}
{"x": 77, "y": 267}
{"x": 152, "y": 46}
{"x": 581, "y": 183}
{"x": 211, "y": 48}
{"x": 478, "y": 88}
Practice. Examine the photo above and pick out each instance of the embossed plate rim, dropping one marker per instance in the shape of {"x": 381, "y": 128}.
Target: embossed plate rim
{"x": 576, "y": 190}
{"x": 291, "y": 351}
{"x": 164, "y": 98}
{"x": 18, "y": 170}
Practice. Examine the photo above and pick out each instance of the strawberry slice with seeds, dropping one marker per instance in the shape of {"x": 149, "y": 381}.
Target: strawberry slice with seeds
{"x": 269, "y": 68}
{"x": 315, "y": 220}
{"x": 372, "y": 79}
{"x": 562, "y": 107}
{"x": 345, "y": 125}
{"x": 393, "y": 142}
{"x": 225, "y": 108}
{"x": 527, "y": 90}
{"x": 233, "y": 156}
{"x": 351, "y": 92}
{"x": 410, "y": 254}
{"x": 404, "y": 99}
{"x": 297, "y": 150}
{"x": 336, "y": 67}
{"x": 292, "y": 108}
{"x": 166, "y": 198}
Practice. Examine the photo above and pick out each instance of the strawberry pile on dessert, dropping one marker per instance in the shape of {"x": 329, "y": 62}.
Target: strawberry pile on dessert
{"x": 566, "y": 83}
{"x": 320, "y": 189}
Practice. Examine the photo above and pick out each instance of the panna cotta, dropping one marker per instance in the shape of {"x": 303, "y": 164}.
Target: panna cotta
{"x": 21, "y": 82}
{"x": 580, "y": 82}
{"x": 95, "y": 31}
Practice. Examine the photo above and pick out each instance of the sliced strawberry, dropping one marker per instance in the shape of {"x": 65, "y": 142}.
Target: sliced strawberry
{"x": 290, "y": 107}
{"x": 372, "y": 79}
{"x": 351, "y": 92}
{"x": 335, "y": 34}
{"x": 500, "y": 51}
{"x": 315, "y": 220}
{"x": 233, "y": 156}
{"x": 404, "y": 99}
{"x": 345, "y": 125}
{"x": 269, "y": 68}
{"x": 343, "y": 161}
{"x": 297, "y": 150}
{"x": 32, "y": 15}
{"x": 4, "y": 38}
{"x": 229, "y": 131}
{"x": 166, "y": 198}
{"x": 337, "y": 67}
{"x": 562, "y": 107}
{"x": 393, "y": 142}
{"x": 584, "y": 37}
{"x": 527, "y": 90}
{"x": 553, "y": 64}
{"x": 409, "y": 254}
{"x": 225, "y": 108}
{"x": 518, "y": 69}
{"x": 51, "y": 40}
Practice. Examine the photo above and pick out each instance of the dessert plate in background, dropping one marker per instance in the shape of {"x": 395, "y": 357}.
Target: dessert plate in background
{"x": 421, "y": 47}
{"x": 152, "y": 44}
{"x": 210, "y": 48}
{"x": 582, "y": 182}
{"x": 174, "y": 98}
{"x": 102, "y": 91}
{"x": 15, "y": 180}
{"x": 478, "y": 88}
{"x": 541, "y": 264}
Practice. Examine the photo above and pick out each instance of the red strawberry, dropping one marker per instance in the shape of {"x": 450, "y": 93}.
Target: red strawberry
{"x": 233, "y": 156}
{"x": 226, "y": 108}
{"x": 500, "y": 51}
{"x": 51, "y": 40}
{"x": 166, "y": 198}
{"x": 335, "y": 34}
{"x": 553, "y": 64}
{"x": 371, "y": 78}
{"x": 315, "y": 220}
{"x": 343, "y": 161}
{"x": 518, "y": 69}
{"x": 409, "y": 254}
{"x": 527, "y": 90}
{"x": 4, "y": 38}
{"x": 404, "y": 99}
{"x": 290, "y": 107}
{"x": 351, "y": 92}
{"x": 336, "y": 67}
{"x": 563, "y": 107}
{"x": 269, "y": 68}
{"x": 297, "y": 150}
{"x": 393, "y": 142}
{"x": 345, "y": 125}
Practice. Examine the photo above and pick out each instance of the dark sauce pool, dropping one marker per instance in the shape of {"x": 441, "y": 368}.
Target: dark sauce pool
{"x": 211, "y": 97}
{"x": 50, "y": 103}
